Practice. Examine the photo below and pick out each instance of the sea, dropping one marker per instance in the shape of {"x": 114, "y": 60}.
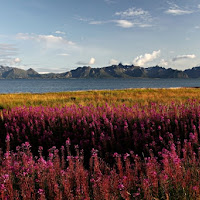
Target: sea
{"x": 60, "y": 85}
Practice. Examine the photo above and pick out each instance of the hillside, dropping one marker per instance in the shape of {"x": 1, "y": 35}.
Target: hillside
{"x": 113, "y": 71}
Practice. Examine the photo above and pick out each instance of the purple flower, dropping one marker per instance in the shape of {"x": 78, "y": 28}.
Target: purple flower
{"x": 2, "y": 187}
{"x": 121, "y": 186}
{"x": 68, "y": 142}
{"x": 195, "y": 188}
{"x": 40, "y": 191}
{"x": 115, "y": 155}
{"x": 136, "y": 194}
{"x": 7, "y": 138}
{"x": 126, "y": 156}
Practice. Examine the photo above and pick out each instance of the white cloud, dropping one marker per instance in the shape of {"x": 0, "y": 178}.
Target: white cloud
{"x": 63, "y": 54}
{"x": 51, "y": 70}
{"x": 48, "y": 39}
{"x": 91, "y": 62}
{"x": 54, "y": 39}
{"x": 17, "y": 60}
{"x": 83, "y": 19}
{"x": 60, "y": 32}
{"x": 124, "y": 23}
{"x": 182, "y": 57}
{"x": 143, "y": 59}
{"x": 132, "y": 17}
{"x": 8, "y": 53}
{"x": 97, "y": 22}
{"x": 113, "y": 62}
{"x": 137, "y": 16}
{"x": 145, "y": 25}
{"x": 10, "y": 47}
{"x": 197, "y": 27}
{"x": 7, "y": 50}
{"x": 10, "y": 61}
{"x": 163, "y": 63}
{"x": 132, "y": 12}
{"x": 198, "y": 6}
{"x": 110, "y": 1}
{"x": 176, "y": 10}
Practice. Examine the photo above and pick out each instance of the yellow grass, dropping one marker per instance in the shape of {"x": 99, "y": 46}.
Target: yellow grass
{"x": 117, "y": 97}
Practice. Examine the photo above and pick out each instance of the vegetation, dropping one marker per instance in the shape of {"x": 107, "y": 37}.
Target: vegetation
{"x": 111, "y": 148}
{"x": 128, "y": 97}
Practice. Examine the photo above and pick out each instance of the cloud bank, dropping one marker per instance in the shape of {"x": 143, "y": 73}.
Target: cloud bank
{"x": 143, "y": 59}
{"x": 176, "y": 10}
{"x": 132, "y": 17}
{"x": 48, "y": 39}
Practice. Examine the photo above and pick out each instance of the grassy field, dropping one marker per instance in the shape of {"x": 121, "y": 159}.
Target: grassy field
{"x": 128, "y": 97}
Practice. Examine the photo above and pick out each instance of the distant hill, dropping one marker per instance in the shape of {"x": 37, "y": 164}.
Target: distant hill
{"x": 16, "y": 73}
{"x": 161, "y": 72}
{"x": 124, "y": 71}
{"x": 193, "y": 73}
{"x": 113, "y": 71}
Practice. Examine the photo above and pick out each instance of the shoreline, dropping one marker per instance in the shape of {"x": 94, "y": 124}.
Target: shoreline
{"x": 101, "y": 90}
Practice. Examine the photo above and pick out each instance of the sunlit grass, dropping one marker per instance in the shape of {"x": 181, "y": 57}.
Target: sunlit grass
{"x": 128, "y": 97}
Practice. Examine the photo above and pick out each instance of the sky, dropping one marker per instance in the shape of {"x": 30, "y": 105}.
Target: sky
{"x": 60, "y": 35}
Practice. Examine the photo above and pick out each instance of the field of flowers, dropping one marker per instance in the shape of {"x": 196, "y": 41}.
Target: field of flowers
{"x": 101, "y": 152}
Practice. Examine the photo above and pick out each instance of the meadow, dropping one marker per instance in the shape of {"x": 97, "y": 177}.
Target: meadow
{"x": 129, "y": 97}
{"x": 120, "y": 144}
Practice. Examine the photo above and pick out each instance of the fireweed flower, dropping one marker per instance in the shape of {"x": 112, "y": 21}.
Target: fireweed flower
{"x": 68, "y": 142}
{"x": 40, "y": 191}
{"x": 195, "y": 188}
{"x": 115, "y": 155}
{"x": 2, "y": 187}
{"x": 8, "y": 138}
{"x": 121, "y": 186}
{"x": 126, "y": 156}
{"x": 5, "y": 178}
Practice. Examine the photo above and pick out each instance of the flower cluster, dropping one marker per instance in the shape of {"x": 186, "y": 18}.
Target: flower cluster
{"x": 107, "y": 129}
{"x": 23, "y": 176}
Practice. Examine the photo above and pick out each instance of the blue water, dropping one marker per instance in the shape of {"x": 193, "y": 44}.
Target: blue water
{"x": 58, "y": 85}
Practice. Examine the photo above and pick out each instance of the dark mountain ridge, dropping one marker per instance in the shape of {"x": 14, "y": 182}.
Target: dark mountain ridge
{"x": 113, "y": 71}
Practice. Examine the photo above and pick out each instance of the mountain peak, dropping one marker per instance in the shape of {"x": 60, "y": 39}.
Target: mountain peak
{"x": 31, "y": 71}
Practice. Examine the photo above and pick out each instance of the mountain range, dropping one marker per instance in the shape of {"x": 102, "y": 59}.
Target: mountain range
{"x": 113, "y": 71}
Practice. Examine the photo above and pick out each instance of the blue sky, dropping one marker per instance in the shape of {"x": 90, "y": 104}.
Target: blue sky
{"x": 60, "y": 35}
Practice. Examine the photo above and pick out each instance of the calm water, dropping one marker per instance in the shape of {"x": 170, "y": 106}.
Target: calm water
{"x": 57, "y": 85}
